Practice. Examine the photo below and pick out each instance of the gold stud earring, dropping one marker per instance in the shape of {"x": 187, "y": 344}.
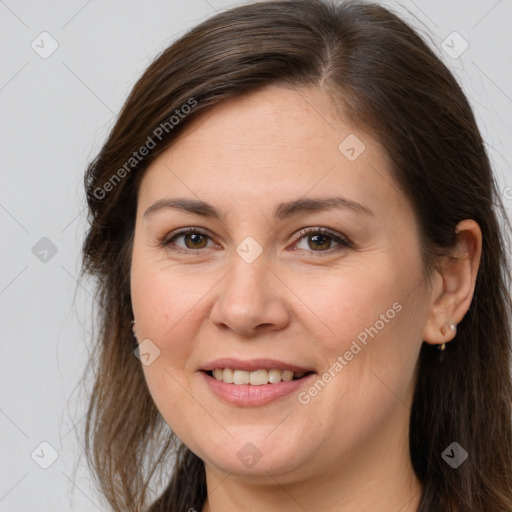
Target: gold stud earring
{"x": 453, "y": 327}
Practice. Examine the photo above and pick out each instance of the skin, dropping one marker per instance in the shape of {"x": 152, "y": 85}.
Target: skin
{"x": 347, "y": 449}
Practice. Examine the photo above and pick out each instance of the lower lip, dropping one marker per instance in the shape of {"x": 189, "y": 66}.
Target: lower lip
{"x": 247, "y": 395}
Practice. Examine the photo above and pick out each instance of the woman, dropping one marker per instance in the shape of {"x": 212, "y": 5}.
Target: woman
{"x": 302, "y": 276}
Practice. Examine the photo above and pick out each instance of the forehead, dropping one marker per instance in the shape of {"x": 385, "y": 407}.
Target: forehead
{"x": 272, "y": 145}
{"x": 266, "y": 122}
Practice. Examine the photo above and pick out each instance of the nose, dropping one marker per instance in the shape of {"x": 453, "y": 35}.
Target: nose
{"x": 251, "y": 299}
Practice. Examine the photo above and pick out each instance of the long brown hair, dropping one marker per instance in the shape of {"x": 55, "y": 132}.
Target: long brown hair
{"x": 383, "y": 77}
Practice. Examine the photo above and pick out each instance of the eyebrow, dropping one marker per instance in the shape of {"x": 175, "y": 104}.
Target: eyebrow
{"x": 281, "y": 211}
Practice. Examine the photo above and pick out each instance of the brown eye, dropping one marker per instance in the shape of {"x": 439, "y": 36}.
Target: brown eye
{"x": 319, "y": 242}
{"x": 194, "y": 240}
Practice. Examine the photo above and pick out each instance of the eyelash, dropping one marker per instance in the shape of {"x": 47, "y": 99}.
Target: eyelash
{"x": 342, "y": 241}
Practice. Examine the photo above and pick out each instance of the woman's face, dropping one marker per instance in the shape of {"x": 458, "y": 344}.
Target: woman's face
{"x": 302, "y": 255}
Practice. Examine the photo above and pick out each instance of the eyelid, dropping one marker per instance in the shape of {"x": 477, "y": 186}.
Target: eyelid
{"x": 340, "y": 239}
{"x": 166, "y": 240}
{"x": 181, "y": 231}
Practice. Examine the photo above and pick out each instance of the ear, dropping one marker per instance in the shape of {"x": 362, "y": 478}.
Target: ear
{"x": 454, "y": 288}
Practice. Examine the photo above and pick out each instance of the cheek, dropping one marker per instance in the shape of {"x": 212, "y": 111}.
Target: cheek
{"x": 350, "y": 301}
{"x": 177, "y": 405}
{"x": 164, "y": 300}
{"x": 169, "y": 311}
{"x": 368, "y": 317}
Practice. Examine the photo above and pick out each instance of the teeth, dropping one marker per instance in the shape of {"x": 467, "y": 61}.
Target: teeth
{"x": 226, "y": 375}
{"x": 240, "y": 377}
{"x": 287, "y": 376}
{"x": 256, "y": 378}
{"x": 274, "y": 376}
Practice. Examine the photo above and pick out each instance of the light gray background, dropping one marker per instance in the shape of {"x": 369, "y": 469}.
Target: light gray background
{"x": 55, "y": 115}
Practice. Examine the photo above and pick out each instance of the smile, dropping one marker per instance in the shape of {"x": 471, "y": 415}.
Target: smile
{"x": 255, "y": 378}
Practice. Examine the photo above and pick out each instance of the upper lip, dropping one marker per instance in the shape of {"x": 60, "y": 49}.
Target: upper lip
{"x": 253, "y": 365}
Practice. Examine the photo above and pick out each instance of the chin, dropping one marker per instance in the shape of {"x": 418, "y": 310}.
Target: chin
{"x": 253, "y": 454}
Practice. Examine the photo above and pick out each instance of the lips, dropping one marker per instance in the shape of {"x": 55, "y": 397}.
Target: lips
{"x": 256, "y": 382}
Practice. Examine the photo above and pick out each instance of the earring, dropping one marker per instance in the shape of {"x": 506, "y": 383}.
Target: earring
{"x": 453, "y": 327}
{"x": 133, "y": 329}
